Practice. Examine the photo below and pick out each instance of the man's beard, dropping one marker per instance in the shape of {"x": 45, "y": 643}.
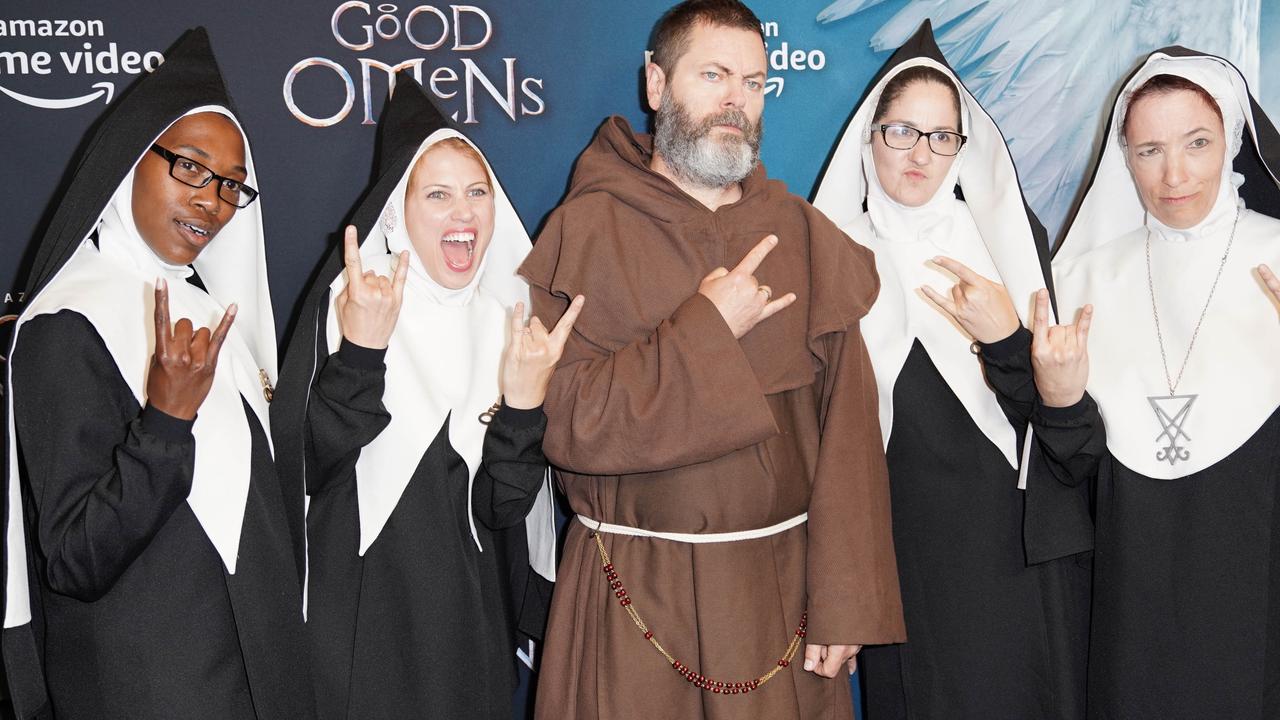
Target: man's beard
{"x": 697, "y": 157}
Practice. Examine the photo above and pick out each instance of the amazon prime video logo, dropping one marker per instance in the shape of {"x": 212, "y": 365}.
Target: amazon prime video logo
{"x": 23, "y": 72}
{"x": 782, "y": 58}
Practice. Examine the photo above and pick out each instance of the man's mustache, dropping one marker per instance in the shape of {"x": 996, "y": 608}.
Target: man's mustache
{"x": 732, "y": 118}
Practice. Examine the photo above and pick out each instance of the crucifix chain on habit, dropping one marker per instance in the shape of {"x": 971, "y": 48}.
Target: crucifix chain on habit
{"x": 1172, "y": 410}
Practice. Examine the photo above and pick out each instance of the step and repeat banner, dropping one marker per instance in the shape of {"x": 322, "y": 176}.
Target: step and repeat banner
{"x": 530, "y": 81}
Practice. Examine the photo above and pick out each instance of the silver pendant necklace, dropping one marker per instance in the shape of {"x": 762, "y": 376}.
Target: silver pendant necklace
{"x": 1172, "y": 410}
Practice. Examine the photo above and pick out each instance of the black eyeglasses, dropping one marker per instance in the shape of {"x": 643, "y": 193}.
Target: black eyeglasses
{"x": 189, "y": 172}
{"x": 905, "y": 137}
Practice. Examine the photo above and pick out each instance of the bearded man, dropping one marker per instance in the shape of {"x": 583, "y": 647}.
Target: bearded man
{"x": 714, "y": 414}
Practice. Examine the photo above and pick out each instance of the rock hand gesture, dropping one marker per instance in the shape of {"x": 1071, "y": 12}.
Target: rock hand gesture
{"x": 370, "y": 303}
{"x": 184, "y": 361}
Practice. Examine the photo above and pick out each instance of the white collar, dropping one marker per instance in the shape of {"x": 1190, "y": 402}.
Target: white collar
{"x": 895, "y": 222}
{"x": 1111, "y": 206}
{"x": 1216, "y": 224}
{"x": 1103, "y": 261}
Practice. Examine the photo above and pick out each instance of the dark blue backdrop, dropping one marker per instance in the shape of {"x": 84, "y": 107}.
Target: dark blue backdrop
{"x": 530, "y": 82}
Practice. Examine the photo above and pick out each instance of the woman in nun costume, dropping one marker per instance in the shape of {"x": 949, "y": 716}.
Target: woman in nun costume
{"x": 429, "y": 499}
{"x": 994, "y": 595}
{"x": 163, "y": 573}
{"x": 1178, "y": 428}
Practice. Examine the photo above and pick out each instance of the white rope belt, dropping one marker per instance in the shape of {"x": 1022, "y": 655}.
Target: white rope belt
{"x": 695, "y": 537}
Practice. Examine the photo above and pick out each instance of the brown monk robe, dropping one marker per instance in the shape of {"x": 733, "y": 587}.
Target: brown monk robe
{"x": 659, "y": 419}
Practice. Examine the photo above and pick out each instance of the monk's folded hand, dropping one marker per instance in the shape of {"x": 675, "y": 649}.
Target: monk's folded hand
{"x": 370, "y": 303}
{"x": 980, "y": 306}
{"x": 826, "y": 660}
{"x": 1060, "y": 355}
{"x": 531, "y": 355}
{"x": 184, "y": 360}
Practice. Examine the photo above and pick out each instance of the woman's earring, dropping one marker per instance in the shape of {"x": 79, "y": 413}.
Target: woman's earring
{"x": 389, "y": 219}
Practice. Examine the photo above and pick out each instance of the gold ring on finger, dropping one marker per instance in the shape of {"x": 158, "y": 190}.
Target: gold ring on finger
{"x": 768, "y": 292}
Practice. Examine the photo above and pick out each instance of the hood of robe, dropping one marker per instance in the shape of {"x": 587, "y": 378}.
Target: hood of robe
{"x": 636, "y": 276}
{"x": 617, "y": 163}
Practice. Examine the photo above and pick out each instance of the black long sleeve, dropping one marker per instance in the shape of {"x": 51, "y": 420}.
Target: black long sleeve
{"x": 105, "y": 475}
{"x": 1007, "y": 366}
{"x": 1072, "y": 439}
{"x": 344, "y": 413}
{"x": 512, "y": 467}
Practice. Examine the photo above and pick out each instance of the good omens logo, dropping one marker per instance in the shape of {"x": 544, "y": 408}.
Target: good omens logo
{"x": 445, "y": 58}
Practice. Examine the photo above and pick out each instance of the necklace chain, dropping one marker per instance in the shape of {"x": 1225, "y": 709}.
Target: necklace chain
{"x": 1155, "y": 312}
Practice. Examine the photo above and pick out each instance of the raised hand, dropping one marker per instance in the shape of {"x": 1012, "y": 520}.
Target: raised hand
{"x": 1060, "y": 355}
{"x": 741, "y": 300}
{"x": 183, "y": 364}
{"x": 1270, "y": 280}
{"x": 370, "y": 303}
{"x": 978, "y": 305}
{"x": 531, "y": 355}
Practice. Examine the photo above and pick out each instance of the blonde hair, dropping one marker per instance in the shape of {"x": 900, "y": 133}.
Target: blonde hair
{"x": 459, "y": 145}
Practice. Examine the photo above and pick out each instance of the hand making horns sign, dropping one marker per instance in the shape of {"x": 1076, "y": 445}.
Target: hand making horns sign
{"x": 531, "y": 355}
{"x": 370, "y": 303}
{"x": 741, "y": 300}
{"x": 184, "y": 361}
{"x": 1060, "y": 355}
{"x": 1270, "y": 280}
{"x": 980, "y": 306}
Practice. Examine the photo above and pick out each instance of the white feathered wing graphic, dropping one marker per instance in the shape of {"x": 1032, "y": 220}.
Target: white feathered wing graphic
{"x": 1046, "y": 70}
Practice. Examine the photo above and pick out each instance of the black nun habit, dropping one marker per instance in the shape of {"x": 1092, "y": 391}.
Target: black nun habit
{"x": 1186, "y": 607}
{"x": 162, "y": 575}
{"x": 423, "y": 522}
{"x": 994, "y": 595}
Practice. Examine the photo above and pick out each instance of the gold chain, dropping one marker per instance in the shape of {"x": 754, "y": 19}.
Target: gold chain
{"x": 268, "y": 392}
{"x": 487, "y": 416}
{"x": 699, "y": 680}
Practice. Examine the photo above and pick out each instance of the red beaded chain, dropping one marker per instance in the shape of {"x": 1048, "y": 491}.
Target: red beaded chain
{"x": 699, "y": 680}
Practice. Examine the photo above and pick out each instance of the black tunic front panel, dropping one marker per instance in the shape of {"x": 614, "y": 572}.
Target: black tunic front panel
{"x": 421, "y": 625}
{"x": 1186, "y": 616}
{"x": 988, "y": 637}
{"x": 140, "y": 618}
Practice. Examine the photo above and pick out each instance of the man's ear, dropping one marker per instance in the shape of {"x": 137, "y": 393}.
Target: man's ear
{"x": 655, "y": 81}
